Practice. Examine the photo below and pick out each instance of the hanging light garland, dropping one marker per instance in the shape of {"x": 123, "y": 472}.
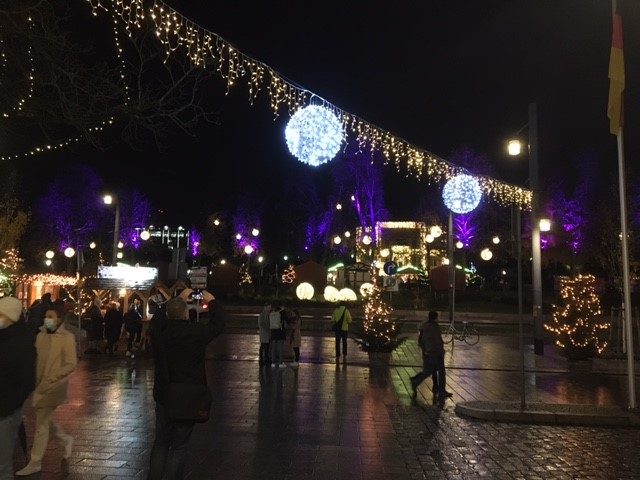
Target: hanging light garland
{"x": 206, "y": 49}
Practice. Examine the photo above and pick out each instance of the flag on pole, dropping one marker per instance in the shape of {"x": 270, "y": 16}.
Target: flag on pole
{"x": 616, "y": 76}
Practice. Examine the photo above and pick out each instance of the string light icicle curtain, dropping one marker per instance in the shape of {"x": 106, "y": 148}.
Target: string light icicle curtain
{"x": 205, "y": 49}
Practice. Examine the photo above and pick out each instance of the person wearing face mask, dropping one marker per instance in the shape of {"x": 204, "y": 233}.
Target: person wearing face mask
{"x": 56, "y": 361}
{"x": 17, "y": 377}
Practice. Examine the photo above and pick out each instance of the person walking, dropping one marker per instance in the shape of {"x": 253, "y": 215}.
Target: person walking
{"x": 295, "y": 336}
{"x": 38, "y": 311}
{"x": 264, "y": 333}
{"x": 133, "y": 326}
{"x": 179, "y": 361}
{"x": 341, "y": 318}
{"x": 277, "y": 335}
{"x": 112, "y": 326}
{"x": 96, "y": 325}
{"x": 56, "y": 361}
{"x": 17, "y": 377}
{"x": 432, "y": 345}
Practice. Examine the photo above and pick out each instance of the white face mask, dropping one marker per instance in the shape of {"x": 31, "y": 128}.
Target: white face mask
{"x": 50, "y": 324}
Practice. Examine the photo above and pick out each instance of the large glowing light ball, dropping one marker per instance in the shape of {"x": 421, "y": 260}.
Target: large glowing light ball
{"x": 314, "y": 135}
{"x": 304, "y": 291}
{"x": 347, "y": 295}
{"x": 331, "y": 294}
{"x": 462, "y": 194}
{"x": 366, "y": 289}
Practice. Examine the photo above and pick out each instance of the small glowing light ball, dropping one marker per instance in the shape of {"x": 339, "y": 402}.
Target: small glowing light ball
{"x": 462, "y": 194}
{"x": 347, "y": 295}
{"x": 69, "y": 252}
{"x": 365, "y": 289}
{"x": 331, "y": 294}
{"x": 486, "y": 254}
{"x": 314, "y": 135}
{"x": 304, "y": 291}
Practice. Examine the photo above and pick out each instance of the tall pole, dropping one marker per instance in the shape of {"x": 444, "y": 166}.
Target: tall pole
{"x": 518, "y": 233}
{"x": 451, "y": 270}
{"x": 116, "y": 234}
{"x": 536, "y": 267}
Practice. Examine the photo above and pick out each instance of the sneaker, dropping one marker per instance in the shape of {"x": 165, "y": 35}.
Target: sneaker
{"x": 294, "y": 364}
{"x": 68, "y": 447}
{"x": 30, "y": 469}
{"x": 128, "y": 354}
{"x": 282, "y": 365}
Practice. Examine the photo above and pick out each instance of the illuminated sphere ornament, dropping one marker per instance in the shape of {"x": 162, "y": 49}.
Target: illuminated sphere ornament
{"x": 331, "y": 294}
{"x": 347, "y": 295}
{"x": 462, "y": 194}
{"x": 304, "y": 291}
{"x": 314, "y": 135}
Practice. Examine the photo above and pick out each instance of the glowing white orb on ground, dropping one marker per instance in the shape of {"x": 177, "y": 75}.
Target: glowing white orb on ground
{"x": 365, "y": 289}
{"x": 314, "y": 135}
{"x": 304, "y": 291}
{"x": 331, "y": 294}
{"x": 462, "y": 194}
{"x": 347, "y": 295}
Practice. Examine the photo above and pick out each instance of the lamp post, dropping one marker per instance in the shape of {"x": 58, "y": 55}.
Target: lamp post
{"x": 108, "y": 200}
{"x": 536, "y": 263}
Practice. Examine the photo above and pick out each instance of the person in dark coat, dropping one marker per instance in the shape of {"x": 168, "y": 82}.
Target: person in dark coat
{"x": 112, "y": 326}
{"x": 17, "y": 377}
{"x": 179, "y": 357}
{"x": 96, "y": 325}
{"x": 37, "y": 312}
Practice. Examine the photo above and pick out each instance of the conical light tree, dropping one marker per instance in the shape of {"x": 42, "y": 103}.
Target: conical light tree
{"x": 576, "y": 319}
{"x": 379, "y": 333}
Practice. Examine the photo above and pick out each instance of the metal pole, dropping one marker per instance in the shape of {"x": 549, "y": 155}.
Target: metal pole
{"x": 452, "y": 269}
{"x": 518, "y": 226}
{"x": 116, "y": 234}
{"x": 536, "y": 267}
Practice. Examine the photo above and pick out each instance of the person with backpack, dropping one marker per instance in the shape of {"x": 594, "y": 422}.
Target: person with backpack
{"x": 341, "y": 318}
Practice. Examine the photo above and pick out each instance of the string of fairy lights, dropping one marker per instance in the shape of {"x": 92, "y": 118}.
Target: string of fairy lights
{"x": 205, "y": 49}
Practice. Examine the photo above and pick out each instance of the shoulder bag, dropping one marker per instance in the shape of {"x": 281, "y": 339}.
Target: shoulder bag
{"x": 337, "y": 326}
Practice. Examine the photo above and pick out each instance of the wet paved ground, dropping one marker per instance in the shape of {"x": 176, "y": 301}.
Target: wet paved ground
{"x": 353, "y": 421}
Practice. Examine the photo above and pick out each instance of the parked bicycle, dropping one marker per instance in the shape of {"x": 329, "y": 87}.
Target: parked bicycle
{"x": 467, "y": 334}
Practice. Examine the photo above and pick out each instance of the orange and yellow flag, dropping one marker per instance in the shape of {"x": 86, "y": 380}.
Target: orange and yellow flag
{"x": 616, "y": 76}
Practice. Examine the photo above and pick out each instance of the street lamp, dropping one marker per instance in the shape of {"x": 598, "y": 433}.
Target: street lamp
{"x": 536, "y": 265}
{"x": 108, "y": 200}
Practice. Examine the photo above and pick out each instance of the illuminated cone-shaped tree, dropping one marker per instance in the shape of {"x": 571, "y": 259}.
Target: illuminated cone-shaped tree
{"x": 379, "y": 332}
{"x": 576, "y": 319}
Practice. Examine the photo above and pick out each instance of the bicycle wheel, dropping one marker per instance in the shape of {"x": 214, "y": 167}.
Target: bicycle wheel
{"x": 447, "y": 335}
{"x": 471, "y": 336}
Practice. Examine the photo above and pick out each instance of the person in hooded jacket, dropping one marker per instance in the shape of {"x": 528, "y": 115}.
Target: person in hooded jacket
{"x": 57, "y": 360}
{"x": 179, "y": 348}
{"x": 17, "y": 377}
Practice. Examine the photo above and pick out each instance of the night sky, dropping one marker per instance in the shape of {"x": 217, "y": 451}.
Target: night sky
{"x": 441, "y": 75}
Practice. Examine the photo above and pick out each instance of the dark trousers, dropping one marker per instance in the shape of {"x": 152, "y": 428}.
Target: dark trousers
{"x": 169, "y": 451}
{"x": 296, "y": 354}
{"x": 341, "y": 339}
{"x": 432, "y": 366}
{"x": 134, "y": 336}
{"x": 263, "y": 354}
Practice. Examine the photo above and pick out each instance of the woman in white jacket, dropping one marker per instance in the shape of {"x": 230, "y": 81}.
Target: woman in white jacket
{"x": 56, "y": 350}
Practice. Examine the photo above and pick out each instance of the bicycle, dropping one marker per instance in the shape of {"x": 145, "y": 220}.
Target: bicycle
{"x": 468, "y": 334}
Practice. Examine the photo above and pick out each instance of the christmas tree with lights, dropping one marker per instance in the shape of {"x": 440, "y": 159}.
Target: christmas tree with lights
{"x": 378, "y": 332}
{"x": 576, "y": 319}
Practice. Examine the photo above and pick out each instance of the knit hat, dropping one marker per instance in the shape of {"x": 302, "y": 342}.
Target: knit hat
{"x": 176, "y": 308}
{"x": 11, "y": 307}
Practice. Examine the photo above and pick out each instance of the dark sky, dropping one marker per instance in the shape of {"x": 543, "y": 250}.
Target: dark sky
{"x": 440, "y": 75}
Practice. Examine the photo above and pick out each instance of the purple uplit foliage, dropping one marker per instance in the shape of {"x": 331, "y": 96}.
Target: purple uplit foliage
{"x": 194, "y": 241}
{"x": 135, "y": 215}
{"x": 70, "y": 212}
{"x": 246, "y": 218}
{"x": 574, "y": 224}
{"x": 464, "y": 229}
{"x": 362, "y": 175}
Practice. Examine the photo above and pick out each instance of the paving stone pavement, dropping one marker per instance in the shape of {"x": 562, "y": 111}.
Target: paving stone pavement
{"x": 346, "y": 421}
